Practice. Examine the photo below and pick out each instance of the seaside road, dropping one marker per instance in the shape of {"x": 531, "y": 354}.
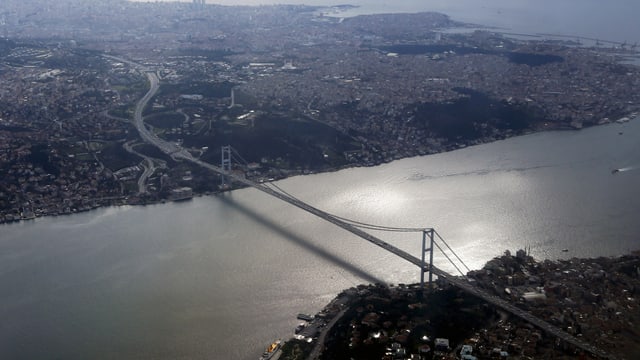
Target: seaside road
{"x": 319, "y": 346}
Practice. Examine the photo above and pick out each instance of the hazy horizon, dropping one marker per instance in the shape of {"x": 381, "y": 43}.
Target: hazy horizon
{"x": 590, "y": 18}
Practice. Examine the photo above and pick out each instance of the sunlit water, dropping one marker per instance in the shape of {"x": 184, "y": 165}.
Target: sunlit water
{"x": 226, "y": 274}
{"x": 220, "y": 277}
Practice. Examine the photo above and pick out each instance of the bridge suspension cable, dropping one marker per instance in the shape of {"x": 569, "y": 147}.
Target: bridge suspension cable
{"x": 451, "y": 261}
{"x": 453, "y": 252}
{"x": 368, "y": 226}
{"x": 355, "y": 222}
{"x": 236, "y": 155}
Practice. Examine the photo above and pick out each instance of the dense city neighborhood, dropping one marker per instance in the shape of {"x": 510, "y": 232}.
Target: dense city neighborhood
{"x": 293, "y": 89}
{"x": 592, "y": 299}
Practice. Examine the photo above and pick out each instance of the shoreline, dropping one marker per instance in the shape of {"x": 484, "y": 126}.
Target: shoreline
{"x": 376, "y": 146}
{"x": 470, "y": 110}
{"x": 542, "y": 287}
{"x": 137, "y": 201}
{"x": 124, "y": 200}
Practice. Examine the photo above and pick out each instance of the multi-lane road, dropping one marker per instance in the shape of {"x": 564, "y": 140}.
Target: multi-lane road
{"x": 149, "y": 137}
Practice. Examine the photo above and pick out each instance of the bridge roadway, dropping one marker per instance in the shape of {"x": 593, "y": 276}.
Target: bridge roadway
{"x": 178, "y": 152}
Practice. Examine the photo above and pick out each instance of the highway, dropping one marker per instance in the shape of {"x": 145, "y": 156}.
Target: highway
{"x": 178, "y": 152}
{"x": 146, "y": 135}
{"x": 148, "y": 163}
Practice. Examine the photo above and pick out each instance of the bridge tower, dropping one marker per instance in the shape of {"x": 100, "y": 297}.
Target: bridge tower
{"x": 233, "y": 98}
{"x": 225, "y": 163}
{"x": 427, "y": 234}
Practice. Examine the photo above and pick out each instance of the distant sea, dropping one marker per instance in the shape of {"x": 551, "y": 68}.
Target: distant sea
{"x": 614, "y": 21}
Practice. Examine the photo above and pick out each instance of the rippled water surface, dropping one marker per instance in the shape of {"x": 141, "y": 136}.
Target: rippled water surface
{"x": 228, "y": 273}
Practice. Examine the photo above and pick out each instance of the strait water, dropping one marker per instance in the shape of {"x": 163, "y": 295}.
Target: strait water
{"x": 220, "y": 277}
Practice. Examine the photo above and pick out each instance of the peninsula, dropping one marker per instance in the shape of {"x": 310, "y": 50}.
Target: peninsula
{"x": 593, "y": 299}
{"x": 291, "y": 89}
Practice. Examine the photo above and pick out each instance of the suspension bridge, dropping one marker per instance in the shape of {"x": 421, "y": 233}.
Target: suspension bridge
{"x": 430, "y": 237}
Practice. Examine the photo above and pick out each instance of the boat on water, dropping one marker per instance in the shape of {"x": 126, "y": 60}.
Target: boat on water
{"x": 614, "y": 171}
{"x": 271, "y": 350}
{"x": 305, "y": 317}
